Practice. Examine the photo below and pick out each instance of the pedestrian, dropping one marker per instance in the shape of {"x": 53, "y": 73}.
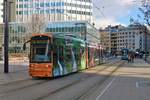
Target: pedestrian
{"x": 132, "y": 57}
{"x": 129, "y": 57}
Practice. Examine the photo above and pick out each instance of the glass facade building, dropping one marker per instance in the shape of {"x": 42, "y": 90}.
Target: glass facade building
{"x": 54, "y": 10}
{"x": 19, "y": 34}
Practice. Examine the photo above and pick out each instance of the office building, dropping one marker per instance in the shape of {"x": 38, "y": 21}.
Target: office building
{"x": 54, "y": 10}
{"x": 134, "y": 37}
{"x": 11, "y": 10}
{"x": 19, "y": 34}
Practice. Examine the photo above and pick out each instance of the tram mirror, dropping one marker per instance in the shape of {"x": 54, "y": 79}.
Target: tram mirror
{"x": 24, "y": 46}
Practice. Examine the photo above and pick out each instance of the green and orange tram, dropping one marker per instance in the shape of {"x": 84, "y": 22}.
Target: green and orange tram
{"x": 53, "y": 55}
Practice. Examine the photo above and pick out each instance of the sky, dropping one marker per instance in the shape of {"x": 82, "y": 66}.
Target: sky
{"x": 111, "y": 12}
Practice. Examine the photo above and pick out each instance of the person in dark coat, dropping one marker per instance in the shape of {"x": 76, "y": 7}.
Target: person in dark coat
{"x": 132, "y": 57}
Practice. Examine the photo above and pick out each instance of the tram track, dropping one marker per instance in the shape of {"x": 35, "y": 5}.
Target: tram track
{"x": 96, "y": 85}
{"x": 10, "y": 86}
{"x": 19, "y": 87}
{"x": 78, "y": 81}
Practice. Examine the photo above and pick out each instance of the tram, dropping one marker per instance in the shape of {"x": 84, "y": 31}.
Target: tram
{"x": 57, "y": 55}
{"x": 124, "y": 54}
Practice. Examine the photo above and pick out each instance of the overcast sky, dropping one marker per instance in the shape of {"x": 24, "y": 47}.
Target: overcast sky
{"x": 111, "y": 12}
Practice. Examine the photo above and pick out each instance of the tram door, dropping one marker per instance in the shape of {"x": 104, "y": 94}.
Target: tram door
{"x": 61, "y": 60}
{"x": 68, "y": 59}
{"x": 58, "y": 60}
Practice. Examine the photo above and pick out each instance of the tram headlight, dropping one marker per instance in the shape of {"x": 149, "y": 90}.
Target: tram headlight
{"x": 47, "y": 66}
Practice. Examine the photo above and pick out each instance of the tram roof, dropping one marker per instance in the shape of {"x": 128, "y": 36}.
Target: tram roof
{"x": 68, "y": 36}
{"x": 42, "y": 34}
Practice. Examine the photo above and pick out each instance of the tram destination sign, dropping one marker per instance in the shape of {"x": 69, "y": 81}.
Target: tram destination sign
{"x": 39, "y": 42}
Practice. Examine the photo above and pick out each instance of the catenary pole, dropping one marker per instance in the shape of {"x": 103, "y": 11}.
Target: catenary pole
{"x": 5, "y": 20}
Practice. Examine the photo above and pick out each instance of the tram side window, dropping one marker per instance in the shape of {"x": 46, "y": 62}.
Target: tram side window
{"x": 88, "y": 52}
{"x": 96, "y": 56}
{"x": 77, "y": 55}
{"x": 68, "y": 54}
{"x": 91, "y": 53}
{"x": 61, "y": 53}
{"x": 81, "y": 51}
{"x": 55, "y": 55}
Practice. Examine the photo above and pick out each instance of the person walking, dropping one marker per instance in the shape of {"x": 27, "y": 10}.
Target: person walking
{"x": 129, "y": 57}
{"x": 132, "y": 57}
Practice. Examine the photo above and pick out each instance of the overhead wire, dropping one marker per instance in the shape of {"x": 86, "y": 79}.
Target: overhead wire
{"x": 101, "y": 13}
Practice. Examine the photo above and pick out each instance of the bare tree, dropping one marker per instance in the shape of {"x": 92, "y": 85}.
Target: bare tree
{"x": 36, "y": 24}
{"x": 145, "y": 9}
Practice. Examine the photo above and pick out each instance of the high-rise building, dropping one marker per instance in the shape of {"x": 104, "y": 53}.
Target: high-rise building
{"x": 1, "y": 11}
{"x": 54, "y": 10}
{"x": 11, "y": 13}
{"x": 12, "y": 10}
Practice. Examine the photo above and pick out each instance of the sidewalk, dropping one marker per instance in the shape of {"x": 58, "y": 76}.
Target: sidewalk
{"x": 16, "y": 62}
{"x": 139, "y": 63}
{"x": 130, "y": 82}
{"x": 148, "y": 59}
{"x": 17, "y": 71}
{"x": 106, "y": 60}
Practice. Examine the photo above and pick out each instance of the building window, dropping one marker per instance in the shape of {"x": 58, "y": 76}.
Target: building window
{"x": 20, "y": 5}
{"x": 129, "y": 32}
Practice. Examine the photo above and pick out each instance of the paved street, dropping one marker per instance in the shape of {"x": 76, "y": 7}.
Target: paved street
{"x": 117, "y": 80}
{"x": 130, "y": 82}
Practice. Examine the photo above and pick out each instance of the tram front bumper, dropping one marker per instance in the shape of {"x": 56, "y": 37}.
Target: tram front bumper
{"x": 40, "y": 70}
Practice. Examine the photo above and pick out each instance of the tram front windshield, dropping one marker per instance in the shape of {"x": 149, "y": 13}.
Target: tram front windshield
{"x": 124, "y": 52}
{"x": 40, "y": 51}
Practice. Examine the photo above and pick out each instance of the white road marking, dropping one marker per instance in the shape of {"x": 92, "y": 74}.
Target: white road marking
{"x": 137, "y": 84}
{"x": 105, "y": 89}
